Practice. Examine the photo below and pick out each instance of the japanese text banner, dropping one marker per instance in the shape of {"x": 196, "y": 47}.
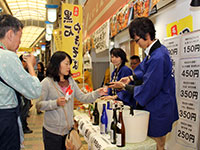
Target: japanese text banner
{"x": 57, "y": 34}
{"x": 72, "y": 36}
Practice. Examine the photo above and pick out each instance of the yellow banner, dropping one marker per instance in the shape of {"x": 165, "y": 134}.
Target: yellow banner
{"x": 72, "y": 36}
{"x": 24, "y": 49}
{"x": 57, "y": 34}
{"x": 181, "y": 26}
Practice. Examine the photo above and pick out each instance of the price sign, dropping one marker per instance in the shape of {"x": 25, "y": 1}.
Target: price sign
{"x": 186, "y": 133}
{"x": 189, "y": 90}
{"x": 173, "y": 46}
{"x": 190, "y": 45}
{"x": 188, "y": 111}
{"x": 190, "y": 68}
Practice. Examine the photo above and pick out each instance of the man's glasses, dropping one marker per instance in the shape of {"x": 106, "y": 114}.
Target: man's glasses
{"x": 137, "y": 40}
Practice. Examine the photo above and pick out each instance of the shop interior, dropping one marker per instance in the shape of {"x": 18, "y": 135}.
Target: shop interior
{"x": 105, "y": 26}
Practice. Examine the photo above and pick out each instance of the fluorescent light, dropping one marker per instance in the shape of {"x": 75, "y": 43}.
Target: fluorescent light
{"x": 29, "y": 10}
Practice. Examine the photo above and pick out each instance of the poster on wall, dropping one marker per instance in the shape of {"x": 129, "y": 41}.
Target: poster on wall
{"x": 101, "y": 38}
{"x": 134, "y": 9}
{"x": 72, "y": 36}
{"x": 121, "y": 19}
{"x": 181, "y": 26}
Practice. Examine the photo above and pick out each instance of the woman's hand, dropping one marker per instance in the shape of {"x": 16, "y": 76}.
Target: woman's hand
{"x": 61, "y": 101}
{"x": 102, "y": 91}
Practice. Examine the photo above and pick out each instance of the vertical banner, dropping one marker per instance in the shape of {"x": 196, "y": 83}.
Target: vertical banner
{"x": 57, "y": 34}
{"x": 188, "y": 77}
{"x": 72, "y": 36}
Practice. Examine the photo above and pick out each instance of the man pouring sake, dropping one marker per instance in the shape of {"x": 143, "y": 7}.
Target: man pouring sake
{"x": 156, "y": 92}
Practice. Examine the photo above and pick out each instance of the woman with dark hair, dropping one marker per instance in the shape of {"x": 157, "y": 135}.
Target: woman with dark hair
{"x": 57, "y": 100}
{"x": 40, "y": 69}
{"x": 118, "y": 59}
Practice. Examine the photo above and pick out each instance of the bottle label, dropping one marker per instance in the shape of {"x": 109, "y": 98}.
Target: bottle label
{"x": 102, "y": 128}
{"x": 111, "y": 136}
{"x": 93, "y": 119}
{"x": 118, "y": 139}
{"x": 119, "y": 125}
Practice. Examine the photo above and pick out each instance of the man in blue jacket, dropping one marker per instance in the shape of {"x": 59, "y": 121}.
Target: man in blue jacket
{"x": 157, "y": 92}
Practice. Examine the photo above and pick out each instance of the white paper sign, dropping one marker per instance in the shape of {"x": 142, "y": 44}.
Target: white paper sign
{"x": 101, "y": 38}
{"x": 190, "y": 45}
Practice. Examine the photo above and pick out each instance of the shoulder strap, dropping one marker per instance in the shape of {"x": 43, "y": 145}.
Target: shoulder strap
{"x": 17, "y": 94}
{"x": 62, "y": 107}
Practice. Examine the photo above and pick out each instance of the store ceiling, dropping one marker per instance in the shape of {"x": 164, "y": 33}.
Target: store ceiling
{"x": 32, "y": 13}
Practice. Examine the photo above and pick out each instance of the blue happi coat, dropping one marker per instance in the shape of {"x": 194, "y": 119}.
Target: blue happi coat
{"x": 157, "y": 93}
{"x": 124, "y": 96}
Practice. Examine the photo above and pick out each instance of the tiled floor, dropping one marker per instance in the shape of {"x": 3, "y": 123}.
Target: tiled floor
{"x": 34, "y": 140}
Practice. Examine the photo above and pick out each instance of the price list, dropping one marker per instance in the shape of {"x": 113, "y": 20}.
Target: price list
{"x": 189, "y": 89}
{"x": 190, "y": 45}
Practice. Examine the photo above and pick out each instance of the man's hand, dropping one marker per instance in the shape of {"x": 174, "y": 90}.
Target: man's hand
{"x": 117, "y": 85}
{"x": 109, "y": 97}
{"x": 125, "y": 80}
{"x": 30, "y": 59}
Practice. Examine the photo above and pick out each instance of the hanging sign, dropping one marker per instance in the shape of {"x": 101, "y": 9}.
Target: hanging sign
{"x": 57, "y": 34}
{"x": 72, "y": 36}
{"x": 101, "y": 38}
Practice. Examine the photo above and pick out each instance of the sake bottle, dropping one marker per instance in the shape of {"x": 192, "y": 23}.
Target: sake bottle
{"x": 104, "y": 121}
{"x": 91, "y": 110}
{"x": 113, "y": 127}
{"x": 120, "y": 140}
{"x": 95, "y": 115}
{"x": 131, "y": 111}
{"x": 108, "y": 106}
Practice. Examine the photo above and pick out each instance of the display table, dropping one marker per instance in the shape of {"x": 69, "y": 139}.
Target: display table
{"x": 98, "y": 141}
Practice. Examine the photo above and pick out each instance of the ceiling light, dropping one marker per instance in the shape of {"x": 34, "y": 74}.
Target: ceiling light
{"x": 195, "y": 3}
{"x": 51, "y": 12}
{"x": 49, "y": 27}
{"x": 48, "y": 37}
